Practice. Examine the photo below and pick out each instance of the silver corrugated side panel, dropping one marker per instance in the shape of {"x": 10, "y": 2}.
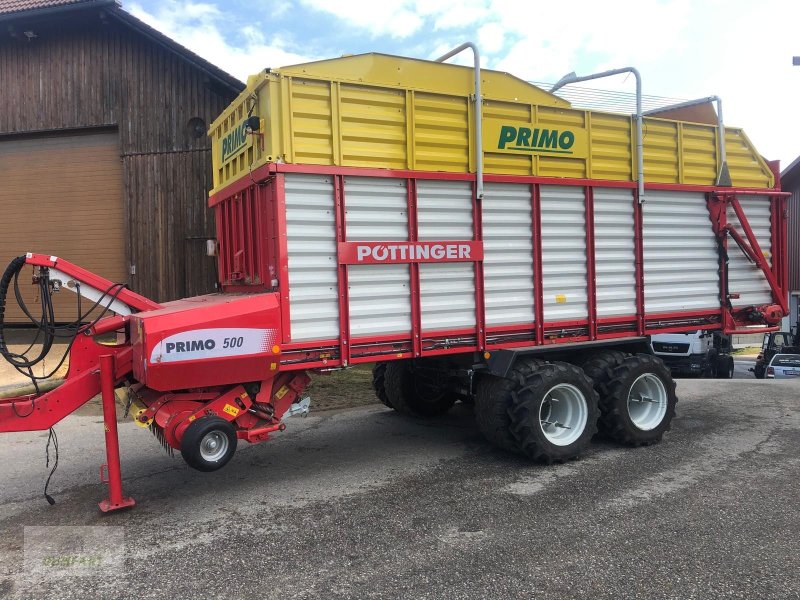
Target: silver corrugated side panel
{"x": 311, "y": 241}
{"x": 615, "y": 254}
{"x": 680, "y": 253}
{"x": 508, "y": 254}
{"x": 563, "y": 253}
{"x": 447, "y": 290}
{"x": 744, "y": 277}
{"x": 376, "y": 209}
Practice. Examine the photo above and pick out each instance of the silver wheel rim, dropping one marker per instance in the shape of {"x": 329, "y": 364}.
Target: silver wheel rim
{"x": 647, "y": 402}
{"x": 213, "y": 446}
{"x": 563, "y": 414}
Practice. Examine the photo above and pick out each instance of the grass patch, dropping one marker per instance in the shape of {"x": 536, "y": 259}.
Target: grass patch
{"x": 747, "y": 350}
{"x": 342, "y": 389}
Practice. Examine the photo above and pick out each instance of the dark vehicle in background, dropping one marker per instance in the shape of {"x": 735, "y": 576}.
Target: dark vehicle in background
{"x": 777, "y": 342}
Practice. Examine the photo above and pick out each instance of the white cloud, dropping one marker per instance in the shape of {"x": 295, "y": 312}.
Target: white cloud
{"x": 491, "y": 38}
{"x": 196, "y": 25}
{"x": 394, "y": 18}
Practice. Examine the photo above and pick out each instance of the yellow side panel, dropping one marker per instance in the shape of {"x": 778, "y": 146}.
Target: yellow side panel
{"x": 373, "y": 127}
{"x": 559, "y": 166}
{"x": 237, "y": 160}
{"x": 400, "y": 72}
{"x": 513, "y": 164}
{"x": 660, "y": 140}
{"x": 744, "y": 162}
{"x": 610, "y": 143}
{"x": 441, "y": 133}
{"x": 312, "y": 130}
{"x": 377, "y": 111}
{"x": 699, "y": 155}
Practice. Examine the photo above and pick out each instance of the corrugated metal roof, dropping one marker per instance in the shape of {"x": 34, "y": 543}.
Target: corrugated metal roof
{"x": 14, "y": 6}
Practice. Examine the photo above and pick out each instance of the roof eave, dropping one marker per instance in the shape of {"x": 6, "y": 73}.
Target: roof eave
{"x": 60, "y": 9}
{"x": 214, "y": 72}
{"x": 789, "y": 171}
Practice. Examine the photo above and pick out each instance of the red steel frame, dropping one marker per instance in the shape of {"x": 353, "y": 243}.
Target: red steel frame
{"x": 591, "y": 278}
{"x": 344, "y": 350}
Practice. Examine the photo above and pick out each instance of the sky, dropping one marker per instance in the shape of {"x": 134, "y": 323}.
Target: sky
{"x": 740, "y": 50}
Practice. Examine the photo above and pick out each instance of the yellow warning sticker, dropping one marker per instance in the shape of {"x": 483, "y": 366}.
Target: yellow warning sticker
{"x": 281, "y": 392}
{"x": 231, "y": 410}
{"x": 273, "y": 366}
{"x": 560, "y": 298}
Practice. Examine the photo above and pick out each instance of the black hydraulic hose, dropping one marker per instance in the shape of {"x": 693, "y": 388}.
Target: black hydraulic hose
{"x": 46, "y": 327}
{"x": 11, "y": 272}
{"x": 724, "y": 261}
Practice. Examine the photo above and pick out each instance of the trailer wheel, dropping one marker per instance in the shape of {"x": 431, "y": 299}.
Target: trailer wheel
{"x": 379, "y": 383}
{"x": 554, "y": 415}
{"x": 600, "y": 366}
{"x": 493, "y": 400}
{"x": 725, "y": 367}
{"x": 414, "y": 392}
{"x": 208, "y": 443}
{"x": 640, "y": 402}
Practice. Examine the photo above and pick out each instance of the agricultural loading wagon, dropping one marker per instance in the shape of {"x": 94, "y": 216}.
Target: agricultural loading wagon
{"x": 472, "y": 235}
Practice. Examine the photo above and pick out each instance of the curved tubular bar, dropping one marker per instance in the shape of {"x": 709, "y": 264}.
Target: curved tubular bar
{"x": 572, "y": 78}
{"x": 478, "y": 110}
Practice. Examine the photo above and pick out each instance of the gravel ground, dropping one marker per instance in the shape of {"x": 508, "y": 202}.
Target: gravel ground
{"x": 363, "y": 503}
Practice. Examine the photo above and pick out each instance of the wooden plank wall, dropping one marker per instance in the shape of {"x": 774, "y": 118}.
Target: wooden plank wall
{"x": 101, "y": 73}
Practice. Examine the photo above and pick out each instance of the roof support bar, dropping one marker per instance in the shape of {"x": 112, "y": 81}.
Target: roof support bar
{"x": 572, "y": 78}
{"x": 723, "y": 174}
{"x": 478, "y": 113}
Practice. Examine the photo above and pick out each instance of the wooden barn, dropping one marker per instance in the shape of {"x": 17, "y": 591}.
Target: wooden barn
{"x": 103, "y": 149}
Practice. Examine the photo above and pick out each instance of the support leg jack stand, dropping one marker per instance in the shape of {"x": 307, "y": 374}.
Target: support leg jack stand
{"x": 115, "y": 500}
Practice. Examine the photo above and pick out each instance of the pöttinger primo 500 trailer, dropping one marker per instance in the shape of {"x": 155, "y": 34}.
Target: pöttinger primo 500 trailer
{"x": 473, "y": 236}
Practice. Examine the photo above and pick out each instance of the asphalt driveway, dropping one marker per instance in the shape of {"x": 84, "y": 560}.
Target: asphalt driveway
{"x": 364, "y": 503}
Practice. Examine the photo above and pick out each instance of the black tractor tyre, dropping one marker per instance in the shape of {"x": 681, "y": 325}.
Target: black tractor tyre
{"x": 408, "y": 393}
{"x": 712, "y": 365}
{"x": 615, "y": 417}
{"x": 760, "y": 370}
{"x": 208, "y": 443}
{"x": 493, "y": 400}
{"x": 379, "y": 383}
{"x": 526, "y": 417}
{"x": 600, "y": 366}
{"x": 725, "y": 367}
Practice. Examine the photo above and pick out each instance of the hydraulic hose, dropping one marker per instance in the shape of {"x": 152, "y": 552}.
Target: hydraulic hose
{"x": 11, "y": 272}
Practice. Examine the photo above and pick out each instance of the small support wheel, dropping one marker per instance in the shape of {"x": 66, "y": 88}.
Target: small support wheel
{"x": 208, "y": 443}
